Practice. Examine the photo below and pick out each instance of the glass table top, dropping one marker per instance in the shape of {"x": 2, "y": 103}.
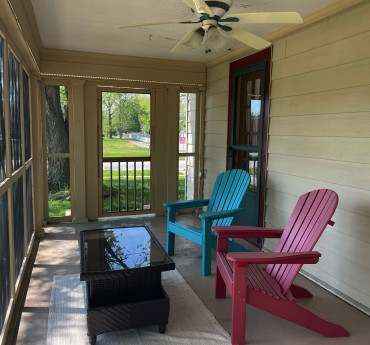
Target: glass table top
{"x": 120, "y": 248}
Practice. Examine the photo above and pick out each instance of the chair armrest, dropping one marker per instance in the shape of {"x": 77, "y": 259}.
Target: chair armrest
{"x": 243, "y": 259}
{"x": 180, "y": 204}
{"x": 221, "y": 214}
{"x": 246, "y": 232}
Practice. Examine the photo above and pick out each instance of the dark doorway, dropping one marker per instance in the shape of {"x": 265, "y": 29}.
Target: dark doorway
{"x": 247, "y": 137}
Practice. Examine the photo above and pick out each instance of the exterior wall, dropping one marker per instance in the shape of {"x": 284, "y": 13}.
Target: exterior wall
{"x": 215, "y": 128}
{"x": 319, "y": 137}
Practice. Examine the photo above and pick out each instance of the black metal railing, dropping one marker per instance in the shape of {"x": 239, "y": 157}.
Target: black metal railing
{"x": 126, "y": 184}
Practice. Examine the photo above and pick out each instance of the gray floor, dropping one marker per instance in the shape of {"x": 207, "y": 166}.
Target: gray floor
{"x": 58, "y": 254}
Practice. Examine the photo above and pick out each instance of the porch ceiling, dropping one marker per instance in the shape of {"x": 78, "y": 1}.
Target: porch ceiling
{"x": 91, "y": 25}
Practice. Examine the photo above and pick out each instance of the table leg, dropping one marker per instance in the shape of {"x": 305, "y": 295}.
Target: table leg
{"x": 92, "y": 339}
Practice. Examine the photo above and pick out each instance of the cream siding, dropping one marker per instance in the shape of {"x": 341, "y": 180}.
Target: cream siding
{"x": 319, "y": 137}
{"x": 215, "y": 129}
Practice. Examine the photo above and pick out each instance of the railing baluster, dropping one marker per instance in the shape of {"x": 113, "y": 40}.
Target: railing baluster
{"x": 119, "y": 186}
{"x": 126, "y": 186}
{"x": 134, "y": 185}
{"x": 127, "y": 161}
{"x": 142, "y": 184}
{"x": 111, "y": 188}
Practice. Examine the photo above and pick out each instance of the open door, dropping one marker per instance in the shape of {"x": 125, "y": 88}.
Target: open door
{"x": 248, "y": 119}
{"x": 125, "y": 152}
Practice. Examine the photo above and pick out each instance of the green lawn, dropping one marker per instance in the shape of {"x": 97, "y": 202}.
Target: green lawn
{"x": 116, "y": 147}
{"x": 59, "y": 202}
{"x": 111, "y": 198}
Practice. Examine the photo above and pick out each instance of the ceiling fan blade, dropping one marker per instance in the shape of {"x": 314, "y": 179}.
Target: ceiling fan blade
{"x": 157, "y": 23}
{"x": 267, "y": 17}
{"x": 178, "y": 47}
{"x": 248, "y": 38}
{"x": 199, "y": 6}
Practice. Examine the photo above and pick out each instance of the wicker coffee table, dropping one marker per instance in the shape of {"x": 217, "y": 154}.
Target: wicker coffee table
{"x": 122, "y": 268}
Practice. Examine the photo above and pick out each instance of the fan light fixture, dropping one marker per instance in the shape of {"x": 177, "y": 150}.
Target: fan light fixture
{"x": 214, "y": 41}
{"x": 211, "y": 18}
{"x": 195, "y": 41}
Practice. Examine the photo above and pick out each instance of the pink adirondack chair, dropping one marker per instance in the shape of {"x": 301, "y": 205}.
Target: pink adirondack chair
{"x": 271, "y": 288}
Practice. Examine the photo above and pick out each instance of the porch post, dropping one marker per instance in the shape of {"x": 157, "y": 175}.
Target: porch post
{"x": 78, "y": 137}
{"x": 172, "y": 141}
{"x": 37, "y": 152}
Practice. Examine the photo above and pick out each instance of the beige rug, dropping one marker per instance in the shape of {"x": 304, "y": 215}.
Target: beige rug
{"x": 190, "y": 323}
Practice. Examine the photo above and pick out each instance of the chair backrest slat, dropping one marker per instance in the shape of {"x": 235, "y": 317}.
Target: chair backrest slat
{"x": 238, "y": 187}
{"x": 228, "y": 192}
{"x": 306, "y": 224}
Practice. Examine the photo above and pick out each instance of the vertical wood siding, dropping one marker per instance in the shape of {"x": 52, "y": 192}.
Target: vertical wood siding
{"x": 319, "y": 137}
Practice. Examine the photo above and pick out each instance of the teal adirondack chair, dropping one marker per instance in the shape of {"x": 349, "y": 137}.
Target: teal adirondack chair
{"x": 228, "y": 192}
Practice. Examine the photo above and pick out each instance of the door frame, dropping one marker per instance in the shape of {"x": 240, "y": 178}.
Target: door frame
{"x": 256, "y": 60}
{"x": 151, "y": 92}
{"x": 70, "y": 155}
{"x": 198, "y": 140}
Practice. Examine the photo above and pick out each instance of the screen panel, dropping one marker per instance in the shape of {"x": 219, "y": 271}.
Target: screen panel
{"x": 26, "y": 116}
{"x": 18, "y": 221}
{"x": 4, "y": 259}
{"x": 14, "y": 111}
{"x": 2, "y": 115}
{"x": 30, "y": 227}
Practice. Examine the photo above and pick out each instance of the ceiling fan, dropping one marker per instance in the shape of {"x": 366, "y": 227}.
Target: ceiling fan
{"x": 212, "y": 29}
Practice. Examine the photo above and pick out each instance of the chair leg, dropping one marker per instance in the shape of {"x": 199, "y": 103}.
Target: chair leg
{"x": 170, "y": 243}
{"x": 206, "y": 259}
{"x": 293, "y": 312}
{"x": 238, "y": 313}
{"x": 311, "y": 321}
{"x": 299, "y": 291}
{"x": 206, "y": 248}
{"x": 220, "y": 285}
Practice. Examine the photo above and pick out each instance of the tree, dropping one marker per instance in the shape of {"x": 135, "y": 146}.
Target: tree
{"x": 183, "y": 111}
{"x": 109, "y": 107}
{"x": 144, "y": 112}
{"x": 125, "y": 113}
{"x": 57, "y": 136}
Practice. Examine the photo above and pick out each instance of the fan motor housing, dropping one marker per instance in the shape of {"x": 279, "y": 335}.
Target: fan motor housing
{"x": 206, "y": 24}
{"x": 219, "y": 8}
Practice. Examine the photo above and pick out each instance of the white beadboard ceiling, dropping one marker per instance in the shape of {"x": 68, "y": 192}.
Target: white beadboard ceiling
{"x": 91, "y": 25}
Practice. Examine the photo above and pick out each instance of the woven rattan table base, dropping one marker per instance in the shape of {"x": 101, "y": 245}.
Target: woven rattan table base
{"x": 112, "y": 318}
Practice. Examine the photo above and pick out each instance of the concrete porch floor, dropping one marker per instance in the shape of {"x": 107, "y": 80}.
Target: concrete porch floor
{"x": 58, "y": 254}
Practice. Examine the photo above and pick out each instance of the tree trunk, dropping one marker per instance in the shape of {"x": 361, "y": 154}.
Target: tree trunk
{"x": 57, "y": 140}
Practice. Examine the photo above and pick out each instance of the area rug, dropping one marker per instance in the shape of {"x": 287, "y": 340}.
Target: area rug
{"x": 190, "y": 322}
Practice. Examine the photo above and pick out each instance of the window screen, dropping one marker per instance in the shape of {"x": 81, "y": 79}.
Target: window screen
{"x": 26, "y": 112}
{"x": 4, "y": 259}
{"x": 2, "y": 116}
{"x": 18, "y": 221}
{"x": 30, "y": 227}
{"x": 14, "y": 110}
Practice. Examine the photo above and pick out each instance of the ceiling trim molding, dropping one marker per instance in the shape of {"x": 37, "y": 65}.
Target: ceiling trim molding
{"x": 92, "y": 77}
{"x": 28, "y": 8}
{"x": 314, "y": 17}
{"x": 72, "y": 56}
{"x": 16, "y": 36}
